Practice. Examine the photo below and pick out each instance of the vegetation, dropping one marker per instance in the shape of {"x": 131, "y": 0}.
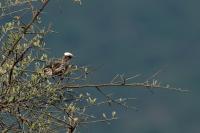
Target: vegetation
{"x": 31, "y": 101}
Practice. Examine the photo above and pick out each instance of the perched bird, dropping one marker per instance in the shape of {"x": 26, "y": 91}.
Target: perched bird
{"x": 58, "y": 67}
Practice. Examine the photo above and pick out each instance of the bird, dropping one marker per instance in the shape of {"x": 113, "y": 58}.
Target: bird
{"x": 59, "y": 67}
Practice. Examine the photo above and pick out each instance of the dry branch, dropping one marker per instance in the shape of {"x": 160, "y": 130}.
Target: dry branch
{"x": 132, "y": 85}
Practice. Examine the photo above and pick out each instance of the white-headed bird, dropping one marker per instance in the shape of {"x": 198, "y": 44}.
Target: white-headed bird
{"x": 59, "y": 67}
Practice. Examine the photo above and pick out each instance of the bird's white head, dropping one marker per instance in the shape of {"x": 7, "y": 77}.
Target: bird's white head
{"x": 68, "y": 54}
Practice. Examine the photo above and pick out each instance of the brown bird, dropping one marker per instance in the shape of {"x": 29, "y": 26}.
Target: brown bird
{"x": 58, "y": 67}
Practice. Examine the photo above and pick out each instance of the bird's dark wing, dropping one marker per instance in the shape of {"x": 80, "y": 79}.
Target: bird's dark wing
{"x": 55, "y": 65}
{"x": 48, "y": 69}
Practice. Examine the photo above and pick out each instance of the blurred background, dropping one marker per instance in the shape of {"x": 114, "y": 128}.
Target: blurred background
{"x": 135, "y": 37}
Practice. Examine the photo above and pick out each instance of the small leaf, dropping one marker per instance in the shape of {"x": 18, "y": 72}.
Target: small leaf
{"x": 104, "y": 115}
{"x": 11, "y": 98}
{"x": 114, "y": 114}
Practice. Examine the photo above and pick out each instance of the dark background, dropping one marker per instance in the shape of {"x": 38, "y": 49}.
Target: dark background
{"x": 135, "y": 37}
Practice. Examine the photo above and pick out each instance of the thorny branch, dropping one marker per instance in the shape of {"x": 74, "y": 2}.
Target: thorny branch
{"x": 143, "y": 84}
{"x": 25, "y": 29}
{"x": 17, "y": 61}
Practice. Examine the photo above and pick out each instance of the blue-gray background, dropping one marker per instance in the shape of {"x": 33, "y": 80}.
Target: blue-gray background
{"x": 136, "y": 37}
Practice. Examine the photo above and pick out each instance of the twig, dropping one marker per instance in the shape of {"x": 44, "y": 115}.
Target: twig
{"x": 95, "y": 121}
{"x": 10, "y": 13}
{"x": 112, "y": 100}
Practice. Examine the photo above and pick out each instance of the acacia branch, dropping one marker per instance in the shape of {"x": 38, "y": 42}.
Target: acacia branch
{"x": 25, "y": 29}
{"x": 15, "y": 63}
{"x": 136, "y": 84}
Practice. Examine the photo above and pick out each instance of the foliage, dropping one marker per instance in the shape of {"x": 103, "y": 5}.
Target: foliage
{"x": 31, "y": 101}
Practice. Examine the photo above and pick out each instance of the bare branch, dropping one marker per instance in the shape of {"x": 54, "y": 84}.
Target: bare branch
{"x": 136, "y": 84}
